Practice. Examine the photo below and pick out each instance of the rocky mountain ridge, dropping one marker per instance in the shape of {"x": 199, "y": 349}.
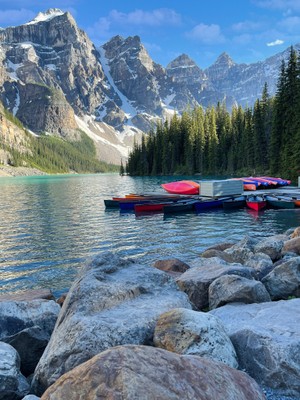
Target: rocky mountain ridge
{"x": 54, "y": 80}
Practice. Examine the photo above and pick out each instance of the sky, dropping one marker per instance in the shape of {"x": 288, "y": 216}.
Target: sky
{"x": 248, "y": 30}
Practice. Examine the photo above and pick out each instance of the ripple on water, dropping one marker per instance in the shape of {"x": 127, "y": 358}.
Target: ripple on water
{"x": 49, "y": 226}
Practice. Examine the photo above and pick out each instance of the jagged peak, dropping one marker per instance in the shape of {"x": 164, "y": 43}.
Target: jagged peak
{"x": 224, "y": 58}
{"x": 182, "y": 60}
{"x": 46, "y": 16}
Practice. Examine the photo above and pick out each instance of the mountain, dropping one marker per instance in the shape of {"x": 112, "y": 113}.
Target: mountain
{"x": 55, "y": 81}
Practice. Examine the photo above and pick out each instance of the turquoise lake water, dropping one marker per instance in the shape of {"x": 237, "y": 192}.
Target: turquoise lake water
{"x": 49, "y": 225}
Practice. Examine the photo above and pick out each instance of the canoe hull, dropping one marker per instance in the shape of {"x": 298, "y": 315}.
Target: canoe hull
{"x": 278, "y": 203}
{"x": 256, "y": 203}
{"x": 232, "y": 204}
{"x": 208, "y": 204}
{"x": 182, "y": 187}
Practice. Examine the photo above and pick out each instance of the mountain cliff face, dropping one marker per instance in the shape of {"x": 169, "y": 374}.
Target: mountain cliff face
{"x": 54, "y": 80}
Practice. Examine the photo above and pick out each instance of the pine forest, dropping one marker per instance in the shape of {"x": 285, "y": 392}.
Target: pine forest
{"x": 264, "y": 139}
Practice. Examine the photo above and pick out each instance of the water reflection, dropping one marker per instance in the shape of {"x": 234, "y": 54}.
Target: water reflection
{"x": 50, "y": 225}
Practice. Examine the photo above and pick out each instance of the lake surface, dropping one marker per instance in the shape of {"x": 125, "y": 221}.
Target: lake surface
{"x": 49, "y": 225}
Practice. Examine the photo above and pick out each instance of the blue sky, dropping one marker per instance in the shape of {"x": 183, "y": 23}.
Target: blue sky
{"x": 248, "y": 30}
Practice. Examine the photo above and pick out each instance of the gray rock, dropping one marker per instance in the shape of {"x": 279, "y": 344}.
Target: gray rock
{"x": 13, "y": 385}
{"x": 284, "y": 280}
{"x": 31, "y": 397}
{"x": 28, "y": 295}
{"x": 266, "y": 337}
{"x": 190, "y": 332}
{"x": 195, "y": 282}
{"x": 220, "y": 246}
{"x": 27, "y": 326}
{"x": 261, "y": 263}
{"x": 242, "y": 250}
{"x": 112, "y": 302}
{"x": 271, "y": 246}
{"x": 236, "y": 289}
{"x": 209, "y": 253}
{"x": 148, "y": 373}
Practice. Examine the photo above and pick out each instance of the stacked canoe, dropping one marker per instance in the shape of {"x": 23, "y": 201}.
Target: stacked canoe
{"x": 188, "y": 187}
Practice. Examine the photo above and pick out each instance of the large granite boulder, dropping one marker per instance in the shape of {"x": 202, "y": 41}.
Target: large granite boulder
{"x": 236, "y": 289}
{"x": 144, "y": 372}
{"x": 284, "y": 280}
{"x": 112, "y": 302}
{"x": 191, "y": 332}
{"x": 13, "y": 385}
{"x": 195, "y": 282}
{"x": 266, "y": 337}
{"x": 27, "y": 326}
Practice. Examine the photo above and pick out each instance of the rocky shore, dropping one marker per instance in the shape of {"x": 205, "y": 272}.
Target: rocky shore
{"x": 7, "y": 170}
{"x": 224, "y": 326}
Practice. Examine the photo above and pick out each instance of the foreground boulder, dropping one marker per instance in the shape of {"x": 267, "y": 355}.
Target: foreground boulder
{"x": 27, "y": 326}
{"x": 191, "y": 332}
{"x": 142, "y": 372}
{"x": 195, "y": 282}
{"x": 112, "y": 302}
{"x": 13, "y": 384}
{"x": 266, "y": 338}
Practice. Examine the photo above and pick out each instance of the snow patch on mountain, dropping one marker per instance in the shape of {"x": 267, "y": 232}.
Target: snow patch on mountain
{"x": 12, "y": 70}
{"x": 94, "y": 130}
{"x": 127, "y": 107}
{"x": 46, "y": 16}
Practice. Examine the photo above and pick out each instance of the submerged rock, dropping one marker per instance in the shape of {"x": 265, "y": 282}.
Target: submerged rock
{"x": 142, "y": 372}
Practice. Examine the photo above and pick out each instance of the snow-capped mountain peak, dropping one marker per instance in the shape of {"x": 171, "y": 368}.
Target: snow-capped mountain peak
{"x": 46, "y": 16}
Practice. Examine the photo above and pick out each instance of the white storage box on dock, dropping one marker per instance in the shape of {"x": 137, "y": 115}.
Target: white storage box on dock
{"x": 298, "y": 181}
{"x": 221, "y": 188}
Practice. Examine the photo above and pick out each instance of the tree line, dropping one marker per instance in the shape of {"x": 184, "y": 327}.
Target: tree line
{"x": 263, "y": 139}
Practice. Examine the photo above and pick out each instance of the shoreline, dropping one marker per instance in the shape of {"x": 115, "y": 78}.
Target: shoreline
{"x": 7, "y": 171}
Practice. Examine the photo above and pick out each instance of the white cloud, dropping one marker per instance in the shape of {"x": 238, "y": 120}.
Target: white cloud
{"x": 16, "y": 17}
{"x": 276, "y": 42}
{"x": 158, "y": 17}
{"x": 207, "y": 34}
{"x": 116, "y": 22}
{"x": 246, "y": 26}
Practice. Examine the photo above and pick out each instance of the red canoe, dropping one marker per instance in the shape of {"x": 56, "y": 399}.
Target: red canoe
{"x": 182, "y": 187}
{"x": 150, "y": 207}
{"x": 256, "y": 203}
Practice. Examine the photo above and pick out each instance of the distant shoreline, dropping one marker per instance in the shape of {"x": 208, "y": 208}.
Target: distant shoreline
{"x": 7, "y": 171}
